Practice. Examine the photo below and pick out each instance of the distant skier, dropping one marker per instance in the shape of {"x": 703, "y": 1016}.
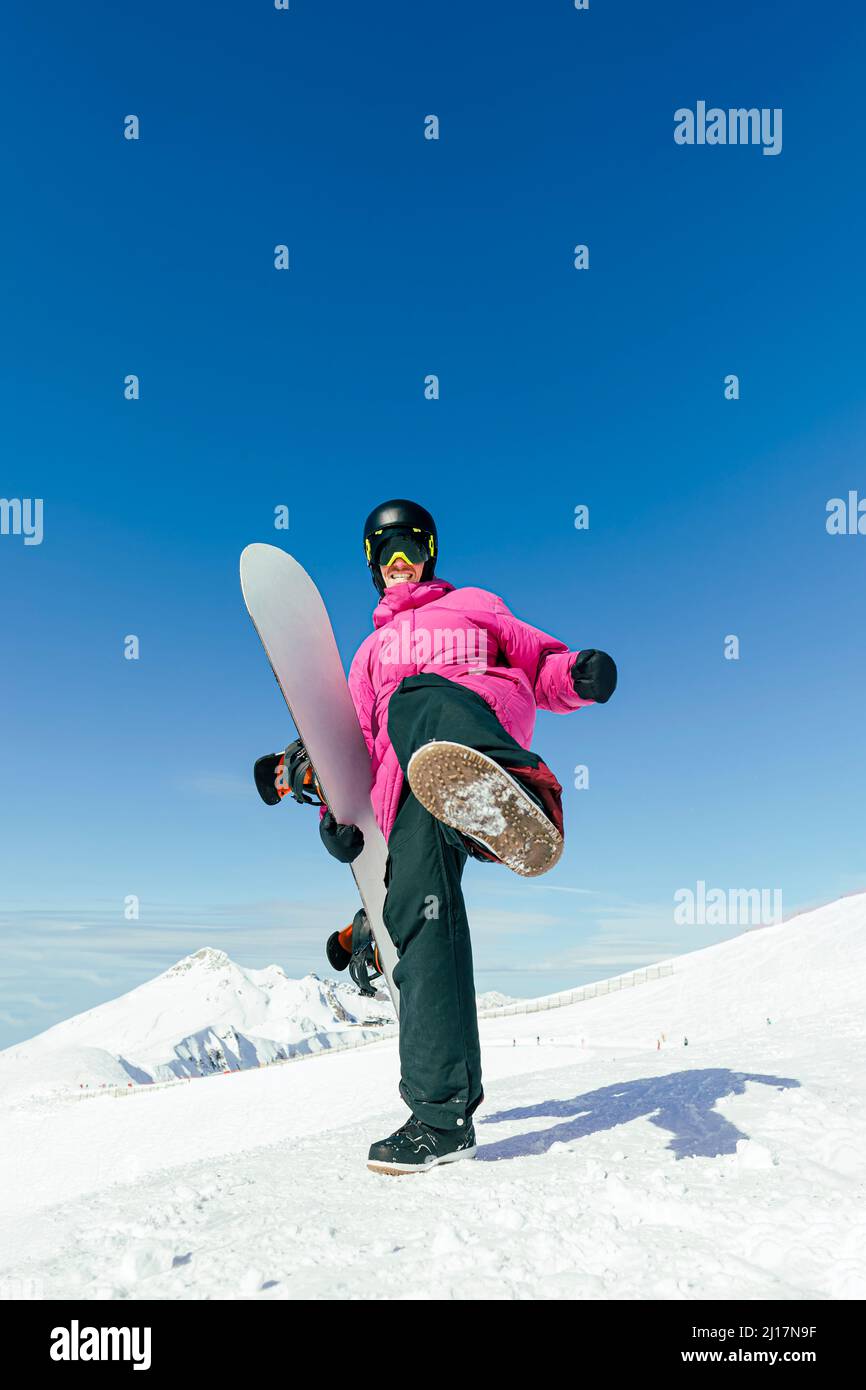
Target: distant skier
{"x": 446, "y": 689}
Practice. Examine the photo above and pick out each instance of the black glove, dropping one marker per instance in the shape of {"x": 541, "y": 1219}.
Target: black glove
{"x": 593, "y": 675}
{"x": 344, "y": 842}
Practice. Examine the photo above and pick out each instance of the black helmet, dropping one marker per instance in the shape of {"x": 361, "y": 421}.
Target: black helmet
{"x": 395, "y": 518}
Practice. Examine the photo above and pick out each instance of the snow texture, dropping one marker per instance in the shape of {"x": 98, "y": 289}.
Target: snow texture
{"x": 616, "y": 1160}
{"x": 476, "y": 807}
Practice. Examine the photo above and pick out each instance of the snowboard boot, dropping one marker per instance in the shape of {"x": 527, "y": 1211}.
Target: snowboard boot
{"x": 416, "y": 1146}
{"x": 490, "y": 804}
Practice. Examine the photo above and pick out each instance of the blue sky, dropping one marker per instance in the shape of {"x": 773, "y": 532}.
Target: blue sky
{"x": 305, "y": 388}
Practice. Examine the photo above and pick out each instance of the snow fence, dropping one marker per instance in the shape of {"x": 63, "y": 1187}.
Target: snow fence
{"x": 577, "y": 996}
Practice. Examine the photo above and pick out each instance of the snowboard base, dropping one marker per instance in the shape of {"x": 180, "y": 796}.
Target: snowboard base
{"x": 292, "y": 622}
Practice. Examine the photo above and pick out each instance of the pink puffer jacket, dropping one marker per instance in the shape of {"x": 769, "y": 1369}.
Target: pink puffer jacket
{"x": 463, "y": 635}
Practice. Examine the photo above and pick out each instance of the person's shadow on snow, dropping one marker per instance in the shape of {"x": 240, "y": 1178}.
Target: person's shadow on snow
{"x": 681, "y": 1102}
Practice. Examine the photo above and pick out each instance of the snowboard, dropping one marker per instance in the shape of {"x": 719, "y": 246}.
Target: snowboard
{"x": 289, "y": 615}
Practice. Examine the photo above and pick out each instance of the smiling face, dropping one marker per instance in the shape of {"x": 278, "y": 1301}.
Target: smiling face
{"x": 401, "y": 572}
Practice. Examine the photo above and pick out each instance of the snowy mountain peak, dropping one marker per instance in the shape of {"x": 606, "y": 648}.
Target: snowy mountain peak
{"x": 208, "y": 958}
{"x": 204, "y": 1014}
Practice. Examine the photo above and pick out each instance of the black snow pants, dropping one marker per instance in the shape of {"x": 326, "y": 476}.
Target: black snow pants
{"x": 440, "y": 1053}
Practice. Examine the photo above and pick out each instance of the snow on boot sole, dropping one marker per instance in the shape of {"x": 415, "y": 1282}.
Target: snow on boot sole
{"x": 399, "y": 1170}
{"x": 470, "y": 792}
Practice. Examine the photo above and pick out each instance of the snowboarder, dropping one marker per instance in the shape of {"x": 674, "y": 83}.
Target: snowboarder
{"x": 446, "y": 690}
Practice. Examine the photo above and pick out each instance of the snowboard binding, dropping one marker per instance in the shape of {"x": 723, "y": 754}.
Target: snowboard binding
{"x": 289, "y": 773}
{"x": 354, "y": 947}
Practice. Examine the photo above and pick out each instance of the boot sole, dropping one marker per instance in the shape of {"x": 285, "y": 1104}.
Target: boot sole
{"x": 473, "y": 794}
{"x": 399, "y": 1170}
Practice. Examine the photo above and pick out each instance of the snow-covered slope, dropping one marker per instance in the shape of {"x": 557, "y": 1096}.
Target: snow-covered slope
{"x": 616, "y": 1160}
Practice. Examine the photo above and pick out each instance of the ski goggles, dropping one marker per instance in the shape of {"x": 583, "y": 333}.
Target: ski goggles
{"x": 386, "y": 546}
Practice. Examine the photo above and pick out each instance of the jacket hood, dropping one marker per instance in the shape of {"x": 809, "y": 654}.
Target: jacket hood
{"x": 405, "y": 596}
